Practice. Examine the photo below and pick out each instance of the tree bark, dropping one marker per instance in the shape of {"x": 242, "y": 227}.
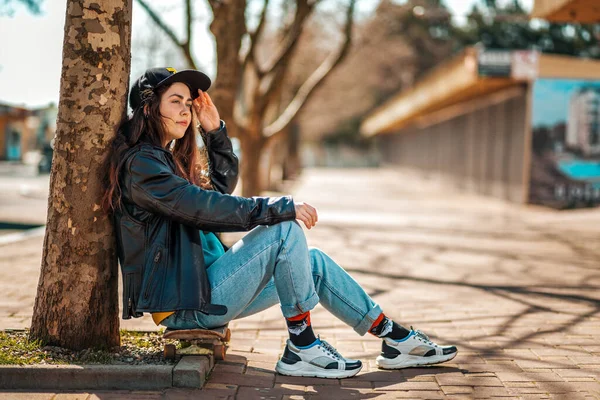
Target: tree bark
{"x": 77, "y": 304}
{"x": 252, "y": 151}
{"x": 228, "y": 27}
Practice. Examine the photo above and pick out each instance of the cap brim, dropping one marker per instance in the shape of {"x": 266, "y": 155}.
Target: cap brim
{"x": 194, "y": 79}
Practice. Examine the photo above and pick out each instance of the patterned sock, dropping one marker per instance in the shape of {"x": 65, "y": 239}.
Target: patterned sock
{"x": 385, "y": 327}
{"x": 300, "y": 330}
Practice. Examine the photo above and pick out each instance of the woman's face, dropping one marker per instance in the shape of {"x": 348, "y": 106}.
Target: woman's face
{"x": 176, "y": 111}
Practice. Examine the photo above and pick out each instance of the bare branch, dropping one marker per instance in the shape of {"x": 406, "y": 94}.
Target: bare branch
{"x": 254, "y": 36}
{"x": 303, "y": 10}
{"x": 267, "y": 91}
{"x": 184, "y": 47}
{"x": 315, "y": 80}
{"x": 159, "y": 22}
{"x": 188, "y": 22}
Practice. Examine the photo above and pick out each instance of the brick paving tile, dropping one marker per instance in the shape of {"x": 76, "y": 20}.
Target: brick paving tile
{"x": 529, "y": 376}
{"x": 267, "y": 393}
{"x": 335, "y": 392}
{"x": 485, "y": 392}
{"x": 457, "y": 389}
{"x": 380, "y": 376}
{"x": 558, "y": 387}
{"x": 560, "y": 351}
{"x": 492, "y": 368}
{"x": 241, "y": 379}
{"x": 526, "y": 390}
{"x": 205, "y": 393}
{"x": 222, "y": 367}
{"x": 584, "y": 360}
{"x": 124, "y": 394}
{"x": 406, "y": 386}
{"x": 580, "y": 372}
{"x": 545, "y": 364}
{"x": 6, "y": 395}
{"x": 353, "y": 383}
{"x": 457, "y": 380}
{"x": 510, "y": 384}
{"x": 295, "y": 380}
{"x": 72, "y": 396}
{"x": 258, "y": 357}
{"x": 421, "y": 394}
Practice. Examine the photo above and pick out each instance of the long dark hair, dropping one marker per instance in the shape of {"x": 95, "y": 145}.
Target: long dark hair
{"x": 191, "y": 163}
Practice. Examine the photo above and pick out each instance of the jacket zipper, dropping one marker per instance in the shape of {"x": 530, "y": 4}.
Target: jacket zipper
{"x": 150, "y": 278}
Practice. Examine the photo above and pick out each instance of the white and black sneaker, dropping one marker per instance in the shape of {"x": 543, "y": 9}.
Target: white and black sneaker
{"x": 415, "y": 350}
{"x": 318, "y": 360}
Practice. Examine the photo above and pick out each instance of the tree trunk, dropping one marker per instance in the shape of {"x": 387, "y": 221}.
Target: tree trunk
{"x": 252, "y": 149}
{"x": 228, "y": 27}
{"x": 76, "y": 305}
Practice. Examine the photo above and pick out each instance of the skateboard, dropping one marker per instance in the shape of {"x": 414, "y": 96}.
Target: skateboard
{"x": 198, "y": 341}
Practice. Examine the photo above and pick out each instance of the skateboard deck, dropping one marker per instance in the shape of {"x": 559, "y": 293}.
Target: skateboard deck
{"x": 198, "y": 342}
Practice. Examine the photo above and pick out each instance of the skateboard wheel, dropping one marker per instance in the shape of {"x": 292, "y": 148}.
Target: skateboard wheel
{"x": 219, "y": 351}
{"x": 169, "y": 351}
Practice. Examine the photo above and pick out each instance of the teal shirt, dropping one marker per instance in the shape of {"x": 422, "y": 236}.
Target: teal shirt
{"x": 211, "y": 247}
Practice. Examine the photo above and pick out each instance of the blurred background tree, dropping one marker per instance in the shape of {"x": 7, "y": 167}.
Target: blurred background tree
{"x": 250, "y": 81}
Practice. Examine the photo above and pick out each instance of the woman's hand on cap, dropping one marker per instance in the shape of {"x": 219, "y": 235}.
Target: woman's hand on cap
{"x": 206, "y": 111}
{"x": 306, "y": 213}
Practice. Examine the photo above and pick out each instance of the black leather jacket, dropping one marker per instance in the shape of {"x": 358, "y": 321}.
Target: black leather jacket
{"x": 157, "y": 227}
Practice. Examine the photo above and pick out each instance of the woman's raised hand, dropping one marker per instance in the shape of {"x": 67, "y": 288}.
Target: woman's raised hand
{"x": 306, "y": 214}
{"x": 207, "y": 113}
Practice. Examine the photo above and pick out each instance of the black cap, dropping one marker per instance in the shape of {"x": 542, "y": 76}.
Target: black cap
{"x": 143, "y": 87}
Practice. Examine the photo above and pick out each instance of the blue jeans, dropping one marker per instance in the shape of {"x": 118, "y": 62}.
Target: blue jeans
{"x": 273, "y": 265}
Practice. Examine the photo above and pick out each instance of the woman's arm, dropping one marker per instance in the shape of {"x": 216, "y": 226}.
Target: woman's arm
{"x": 223, "y": 163}
{"x": 155, "y": 188}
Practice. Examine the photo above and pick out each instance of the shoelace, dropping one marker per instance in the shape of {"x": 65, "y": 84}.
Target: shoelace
{"x": 330, "y": 349}
{"x": 423, "y": 336}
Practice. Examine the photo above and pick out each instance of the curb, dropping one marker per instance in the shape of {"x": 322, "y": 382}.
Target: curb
{"x": 189, "y": 372}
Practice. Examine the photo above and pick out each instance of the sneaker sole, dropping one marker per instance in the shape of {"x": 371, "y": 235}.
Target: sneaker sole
{"x": 305, "y": 369}
{"x": 411, "y": 361}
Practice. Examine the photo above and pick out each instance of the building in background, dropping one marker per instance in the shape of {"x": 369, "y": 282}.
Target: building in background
{"x": 24, "y": 130}
{"x": 583, "y": 127}
{"x": 517, "y": 125}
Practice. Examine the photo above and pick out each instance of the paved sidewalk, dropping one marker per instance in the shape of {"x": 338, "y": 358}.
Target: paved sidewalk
{"x": 515, "y": 288}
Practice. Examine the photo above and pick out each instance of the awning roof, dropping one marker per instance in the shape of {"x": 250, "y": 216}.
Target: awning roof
{"x": 584, "y": 11}
{"x": 464, "y": 78}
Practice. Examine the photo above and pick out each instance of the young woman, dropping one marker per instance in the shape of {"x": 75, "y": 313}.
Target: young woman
{"x": 168, "y": 197}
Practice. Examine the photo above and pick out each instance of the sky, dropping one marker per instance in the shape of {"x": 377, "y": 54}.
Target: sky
{"x": 551, "y": 99}
{"x": 31, "y": 46}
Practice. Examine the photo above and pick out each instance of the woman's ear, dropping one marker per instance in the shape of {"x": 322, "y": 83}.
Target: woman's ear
{"x": 146, "y": 110}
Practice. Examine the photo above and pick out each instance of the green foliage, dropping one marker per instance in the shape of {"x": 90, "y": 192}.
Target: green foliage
{"x": 7, "y": 6}
{"x": 509, "y": 27}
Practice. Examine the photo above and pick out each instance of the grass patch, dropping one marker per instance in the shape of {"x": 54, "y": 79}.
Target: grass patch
{"x": 136, "y": 348}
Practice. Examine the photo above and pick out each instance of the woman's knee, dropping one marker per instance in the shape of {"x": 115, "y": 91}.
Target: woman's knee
{"x": 290, "y": 228}
{"x": 317, "y": 260}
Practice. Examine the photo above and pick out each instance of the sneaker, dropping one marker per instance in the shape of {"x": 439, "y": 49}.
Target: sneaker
{"x": 318, "y": 360}
{"x": 414, "y": 350}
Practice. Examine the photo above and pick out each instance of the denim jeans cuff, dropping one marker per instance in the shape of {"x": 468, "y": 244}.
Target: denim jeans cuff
{"x": 363, "y": 326}
{"x": 299, "y": 308}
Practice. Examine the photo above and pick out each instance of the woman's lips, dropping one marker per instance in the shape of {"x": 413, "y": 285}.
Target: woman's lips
{"x": 182, "y": 123}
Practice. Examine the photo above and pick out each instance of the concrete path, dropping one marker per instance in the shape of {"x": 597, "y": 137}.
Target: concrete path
{"x": 515, "y": 288}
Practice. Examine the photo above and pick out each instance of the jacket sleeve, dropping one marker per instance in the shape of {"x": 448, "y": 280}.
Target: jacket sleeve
{"x": 155, "y": 188}
{"x": 224, "y": 165}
